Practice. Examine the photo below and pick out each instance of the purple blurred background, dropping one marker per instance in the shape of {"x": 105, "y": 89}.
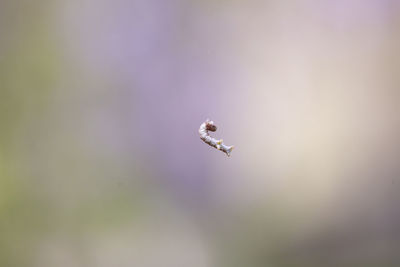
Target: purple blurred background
{"x": 100, "y": 159}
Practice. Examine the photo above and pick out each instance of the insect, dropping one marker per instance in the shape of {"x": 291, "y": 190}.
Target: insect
{"x": 209, "y": 125}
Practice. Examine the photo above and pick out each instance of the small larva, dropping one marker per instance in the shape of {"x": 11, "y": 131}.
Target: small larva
{"x": 210, "y": 126}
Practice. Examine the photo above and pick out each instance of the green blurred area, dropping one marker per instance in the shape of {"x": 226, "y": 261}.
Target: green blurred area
{"x": 31, "y": 68}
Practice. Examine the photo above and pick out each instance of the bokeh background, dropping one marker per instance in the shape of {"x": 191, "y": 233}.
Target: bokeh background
{"x": 100, "y": 159}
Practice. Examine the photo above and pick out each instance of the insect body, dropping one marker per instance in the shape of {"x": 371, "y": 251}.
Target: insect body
{"x": 218, "y": 144}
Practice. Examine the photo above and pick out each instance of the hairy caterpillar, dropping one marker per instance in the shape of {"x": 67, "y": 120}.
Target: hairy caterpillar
{"x": 210, "y": 126}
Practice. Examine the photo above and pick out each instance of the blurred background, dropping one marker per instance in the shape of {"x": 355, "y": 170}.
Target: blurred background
{"x": 100, "y": 159}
